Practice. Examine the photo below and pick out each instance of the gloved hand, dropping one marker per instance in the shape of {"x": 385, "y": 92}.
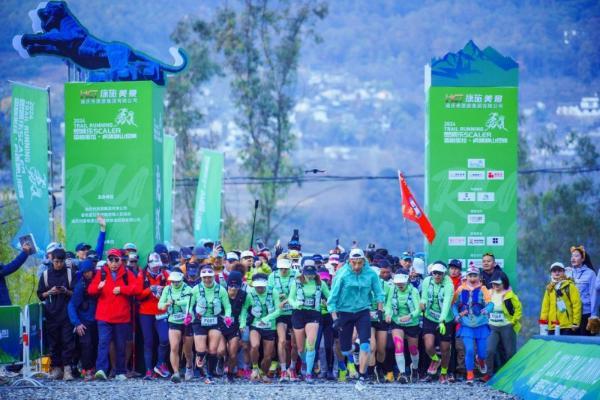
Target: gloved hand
{"x": 336, "y": 325}
{"x": 442, "y": 328}
{"x": 188, "y": 319}
{"x": 228, "y": 321}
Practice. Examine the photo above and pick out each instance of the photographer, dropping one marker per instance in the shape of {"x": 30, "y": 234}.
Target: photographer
{"x": 55, "y": 289}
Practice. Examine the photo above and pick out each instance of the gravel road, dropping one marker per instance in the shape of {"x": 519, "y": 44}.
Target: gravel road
{"x": 138, "y": 389}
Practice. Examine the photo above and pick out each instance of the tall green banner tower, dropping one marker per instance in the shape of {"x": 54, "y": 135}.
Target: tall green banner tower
{"x": 471, "y": 156}
{"x": 114, "y": 162}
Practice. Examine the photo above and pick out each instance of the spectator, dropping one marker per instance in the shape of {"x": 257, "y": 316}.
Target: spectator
{"x": 7, "y": 269}
{"x": 82, "y": 314}
{"x": 55, "y": 289}
{"x": 114, "y": 285}
{"x": 561, "y": 306}
{"x": 489, "y": 268}
{"x": 585, "y": 280}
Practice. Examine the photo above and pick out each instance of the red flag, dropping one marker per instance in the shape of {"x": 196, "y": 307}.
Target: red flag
{"x": 412, "y": 211}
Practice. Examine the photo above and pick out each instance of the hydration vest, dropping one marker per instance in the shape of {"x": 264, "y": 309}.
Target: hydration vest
{"x": 469, "y": 300}
{"x": 257, "y": 308}
{"x": 302, "y": 301}
{"x": 202, "y": 305}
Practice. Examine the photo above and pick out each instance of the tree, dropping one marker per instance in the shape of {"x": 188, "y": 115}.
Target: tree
{"x": 260, "y": 43}
{"x": 183, "y": 113}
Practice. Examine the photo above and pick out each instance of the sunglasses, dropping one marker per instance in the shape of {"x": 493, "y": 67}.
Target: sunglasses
{"x": 114, "y": 259}
{"x": 488, "y": 254}
{"x": 437, "y": 273}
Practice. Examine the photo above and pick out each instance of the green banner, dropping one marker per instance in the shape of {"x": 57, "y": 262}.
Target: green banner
{"x": 11, "y": 348}
{"x": 207, "y": 213}
{"x": 471, "y": 167}
{"x": 29, "y": 154}
{"x": 168, "y": 172}
{"x": 35, "y": 311}
{"x": 113, "y": 151}
{"x": 557, "y": 369}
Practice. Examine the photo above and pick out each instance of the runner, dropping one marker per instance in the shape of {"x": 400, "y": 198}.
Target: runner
{"x": 379, "y": 327}
{"x": 328, "y": 334}
{"x": 353, "y": 288}
{"x": 306, "y": 296}
{"x": 192, "y": 279}
{"x": 212, "y": 309}
{"x": 177, "y": 300}
{"x": 436, "y": 300}
{"x": 471, "y": 308}
{"x": 152, "y": 282}
{"x": 261, "y": 303}
{"x": 230, "y": 342}
{"x": 403, "y": 312}
{"x": 281, "y": 280}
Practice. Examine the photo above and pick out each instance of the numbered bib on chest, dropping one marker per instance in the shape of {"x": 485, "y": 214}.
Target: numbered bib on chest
{"x": 178, "y": 316}
{"x": 374, "y": 315}
{"x": 497, "y": 317}
{"x": 287, "y": 307}
{"x": 208, "y": 321}
{"x": 309, "y": 302}
{"x": 434, "y": 314}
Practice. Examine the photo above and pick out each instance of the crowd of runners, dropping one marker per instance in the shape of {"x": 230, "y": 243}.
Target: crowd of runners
{"x": 284, "y": 315}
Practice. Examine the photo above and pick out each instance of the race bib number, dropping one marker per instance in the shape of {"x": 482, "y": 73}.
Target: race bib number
{"x": 309, "y": 302}
{"x": 178, "y": 316}
{"x": 208, "y": 321}
{"x": 374, "y": 315}
{"x": 435, "y": 314}
{"x": 287, "y": 307}
{"x": 497, "y": 317}
{"x": 263, "y": 325}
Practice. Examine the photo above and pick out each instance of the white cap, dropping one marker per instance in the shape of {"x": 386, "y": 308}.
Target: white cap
{"x": 53, "y": 246}
{"x": 400, "y": 278}
{"x": 284, "y": 263}
{"x": 438, "y": 268}
{"x": 308, "y": 262}
{"x": 259, "y": 283}
{"x": 247, "y": 253}
{"x": 557, "y": 264}
{"x": 232, "y": 256}
{"x": 154, "y": 260}
{"x": 419, "y": 266}
{"x": 334, "y": 259}
{"x": 356, "y": 254}
{"x": 176, "y": 276}
{"x": 472, "y": 270}
{"x": 206, "y": 272}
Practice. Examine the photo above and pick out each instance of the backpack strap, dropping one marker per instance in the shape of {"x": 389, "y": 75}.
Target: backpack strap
{"x": 45, "y": 274}
{"x": 69, "y": 277}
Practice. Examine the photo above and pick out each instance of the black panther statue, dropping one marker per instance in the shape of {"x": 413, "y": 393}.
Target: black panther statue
{"x": 59, "y": 33}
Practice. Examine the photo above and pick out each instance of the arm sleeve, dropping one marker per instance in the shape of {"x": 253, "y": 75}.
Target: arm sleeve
{"x": 131, "y": 289}
{"x": 518, "y": 308}
{"x": 143, "y": 293}
{"x": 244, "y": 313}
{"x": 448, "y": 297}
{"x": 324, "y": 290}
{"x": 164, "y": 297}
{"x": 41, "y": 288}
{"x": 376, "y": 288}
{"x": 334, "y": 294}
{"x": 292, "y": 300}
{"x": 416, "y": 300}
{"x": 74, "y": 304}
{"x": 424, "y": 287}
{"x": 545, "y": 308}
{"x": 388, "y": 304}
{"x": 577, "y": 306}
{"x": 277, "y": 311}
{"x": 93, "y": 286}
{"x": 14, "y": 265}
{"x": 225, "y": 302}
{"x": 595, "y": 289}
{"x": 100, "y": 244}
{"x": 487, "y": 298}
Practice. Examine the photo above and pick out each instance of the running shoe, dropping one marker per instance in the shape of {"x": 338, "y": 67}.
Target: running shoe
{"x": 230, "y": 377}
{"x": 121, "y": 377}
{"x": 208, "y": 380}
{"x": 428, "y": 378}
{"x": 330, "y": 376}
{"x": 342, "y": 376}
{"x": 272, "y": 369}
{"x": 255, "y": 376}
{"x": 189, "y": 374}
{"x": 403, "y": 379}
{"x": 414, "y": 375}
{"x": 148, "y": 376}
{"x": 470, "y": 377}
{"x": 88, "y": 375}
{"x": 433, "y": 367}
{"x": 284, "y": 377}
{"x": 389, "y": 377}
{"x": 360, "y": 384}
{"x": 377, "y": 374}
{"x": 292, "y": 374}
{"x": 309, "y": 379}
{"x": 486, "y": 378}
{"x": 264, "y": 378}
{"x": 162, "y": 371}
{"x": 133, "y": 374}
{"x": 322, "y": 375}
{"x": 100, "y": 375}
{"x": 176, "y": 378}
{"x": 219, "y": 368}
{"x": 481, "y": 365}
{"x": 444, "y": 379}
{"x": 352, "y": 374}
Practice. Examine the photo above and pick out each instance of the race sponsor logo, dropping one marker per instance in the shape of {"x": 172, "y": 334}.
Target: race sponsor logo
{"x": 466, "y": 196}
{"x": 495, "y": 240}
{"x": 476, "y": 175}
{"x": 457, "y": 241}
{"x": 476, "y": 241}
{"x": 495, "y": 175}
{"x": 455, "y": 175}
{"x": 476, "y": 162}
{"x": 486, "y": 196}
{"x": 476, "y": 218}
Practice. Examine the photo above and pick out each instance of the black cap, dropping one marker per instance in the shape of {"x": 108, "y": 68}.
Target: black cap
{"x": 234, "y": 279}
{"x": 455, "y": 263}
